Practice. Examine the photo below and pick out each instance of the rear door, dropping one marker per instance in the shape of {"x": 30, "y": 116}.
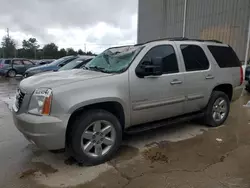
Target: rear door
{"x": 18, "y": 66}
{"x": 199, "y": 79}
{"x": 28, "y": 64}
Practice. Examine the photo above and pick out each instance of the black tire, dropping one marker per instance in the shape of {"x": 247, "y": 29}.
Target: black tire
{"x": 208, "y": 117}
{"x": 11, "y": 73}
{"x": 79, "y": 127}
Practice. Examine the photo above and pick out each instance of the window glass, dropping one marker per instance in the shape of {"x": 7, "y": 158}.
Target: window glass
{"x": 7, "y": 61}
{"x": 225, "y": 56}
{"x": 17, "y": 62}
{"x": 168, "y": 56}
{"x": 194, "y": 58}
{"x": 26, "y": 62}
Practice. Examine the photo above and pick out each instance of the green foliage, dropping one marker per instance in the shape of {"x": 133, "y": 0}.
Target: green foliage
{"x": 8, "y": 46}
{"x": 71, "y": 51}
{"x": 31, "y": 49}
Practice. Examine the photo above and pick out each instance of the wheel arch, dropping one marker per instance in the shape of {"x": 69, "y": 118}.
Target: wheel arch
{"x": 226, "y": 88}
{"x": 112, "y": 106}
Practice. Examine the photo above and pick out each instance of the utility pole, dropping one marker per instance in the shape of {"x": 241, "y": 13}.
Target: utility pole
{"x": 8, "y": 32}
{"x": 85, "y": 48}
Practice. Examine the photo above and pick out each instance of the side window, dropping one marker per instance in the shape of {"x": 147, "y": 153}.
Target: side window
{"x": 194, "y": 58}
{"x": 26, "y": 62}
{"x": 168, "y": 56}
{"x": 7, "y": 61}
{"x": 17, "y": 62}
{"x": 225, "y": 56}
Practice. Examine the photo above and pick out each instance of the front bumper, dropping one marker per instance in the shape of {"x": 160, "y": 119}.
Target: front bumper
{"x": 44, "y": 131}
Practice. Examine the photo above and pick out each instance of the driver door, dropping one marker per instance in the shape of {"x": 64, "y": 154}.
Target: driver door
{"x": 157, "y": 97}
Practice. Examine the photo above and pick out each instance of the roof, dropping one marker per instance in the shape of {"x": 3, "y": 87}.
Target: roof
{"x": 181, "y": 39}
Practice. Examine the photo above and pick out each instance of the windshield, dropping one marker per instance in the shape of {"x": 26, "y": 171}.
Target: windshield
{"x": 73, "y": 64}
{"x": 58, "y": 61}
{"x": 114, "y": 60}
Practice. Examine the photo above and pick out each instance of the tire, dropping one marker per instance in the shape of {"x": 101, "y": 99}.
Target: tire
{"x": 89, "y": 123}
{"x": 211, "y": 109}
{"x": 11, "y": 73}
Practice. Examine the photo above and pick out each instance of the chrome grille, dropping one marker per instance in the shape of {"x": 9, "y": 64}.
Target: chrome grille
{"x": 19, "y": 99}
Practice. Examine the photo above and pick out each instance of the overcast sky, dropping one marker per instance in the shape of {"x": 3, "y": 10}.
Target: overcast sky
{"x": 71, "y": 23}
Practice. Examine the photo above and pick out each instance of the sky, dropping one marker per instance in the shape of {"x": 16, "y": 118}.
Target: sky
{"x": 94, "y": 24}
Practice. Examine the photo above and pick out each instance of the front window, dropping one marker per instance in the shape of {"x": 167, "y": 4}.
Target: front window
{"x": 114, "y": 60}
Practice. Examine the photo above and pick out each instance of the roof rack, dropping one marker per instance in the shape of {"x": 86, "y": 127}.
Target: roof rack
{"x": 181, "y": 39}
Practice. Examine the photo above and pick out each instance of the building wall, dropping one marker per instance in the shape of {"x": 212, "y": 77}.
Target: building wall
{"x": 224, "y": 20}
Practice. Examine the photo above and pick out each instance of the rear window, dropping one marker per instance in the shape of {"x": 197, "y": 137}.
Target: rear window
{"x": 225, "y": 56}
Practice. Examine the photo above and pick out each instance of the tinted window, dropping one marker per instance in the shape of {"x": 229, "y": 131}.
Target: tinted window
{"x": 17, "y": 62}
{"x": 225, "y": 56}
{"x": 194, "y": 58}
{"x": 167, "y": 54}
{"x": 26, "y": 62}
{"x": 7, "y": 61}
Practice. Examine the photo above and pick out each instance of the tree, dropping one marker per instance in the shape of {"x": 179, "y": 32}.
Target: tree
{"x": 71, "y": 51}
{"x": 62, "y": 52}
{"x": 90, "y": 53}
{"x": 80, "y": 52}
{"x": 50, "y": 50}
{"x": 30, "y": 47}
{"x": 30, "y": 44}
{"x": 9, "y": 47}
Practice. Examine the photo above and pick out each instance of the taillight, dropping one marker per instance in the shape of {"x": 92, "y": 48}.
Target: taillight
{"x": 1, "y": 65}
{"x": 241, "y": 75}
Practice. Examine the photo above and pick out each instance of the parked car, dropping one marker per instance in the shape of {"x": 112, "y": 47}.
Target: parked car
{"x": 12, "y": 67}
{"x": 77, "y": 63}
{"x": 45, "y": 61}
{"x": 54, "y": 66}
{"x": 128, "y": 89}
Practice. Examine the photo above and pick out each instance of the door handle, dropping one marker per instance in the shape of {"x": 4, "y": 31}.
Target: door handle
{"x": 175, "y": 82}
{"x": 209, "y": 77}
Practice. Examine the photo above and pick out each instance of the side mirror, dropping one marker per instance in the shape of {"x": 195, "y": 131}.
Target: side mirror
{"x": 149, "y": 68}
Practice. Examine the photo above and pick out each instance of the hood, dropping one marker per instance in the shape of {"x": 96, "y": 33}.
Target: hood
{"x": 54, "y": 79}
{"x": 41, "y": 67}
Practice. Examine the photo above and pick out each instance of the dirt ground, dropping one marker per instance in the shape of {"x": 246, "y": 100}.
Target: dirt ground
{"x": 183, "y": 156}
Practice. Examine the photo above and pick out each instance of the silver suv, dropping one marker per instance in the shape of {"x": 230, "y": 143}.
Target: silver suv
{"x": 128, "y": 89}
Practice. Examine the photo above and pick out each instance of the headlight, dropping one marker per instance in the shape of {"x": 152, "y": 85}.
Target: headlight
{"x": 40, "y": 102}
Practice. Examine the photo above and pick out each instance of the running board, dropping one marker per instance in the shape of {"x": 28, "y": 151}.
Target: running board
{"x": 162, "y": 123}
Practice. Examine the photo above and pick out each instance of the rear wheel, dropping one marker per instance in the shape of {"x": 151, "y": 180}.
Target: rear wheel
{"x": 11, "y": 73}
{"x": 95, "y": 137}
{"x": 217, "y": 109}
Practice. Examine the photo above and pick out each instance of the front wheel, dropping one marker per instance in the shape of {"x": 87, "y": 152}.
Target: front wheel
{"x": 217, "y": 109}
{"x": 95, "y": 137}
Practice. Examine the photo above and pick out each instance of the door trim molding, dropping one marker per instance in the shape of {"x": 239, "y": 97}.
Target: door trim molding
{"x": 137, "y": 107}
{"x": 195, "y": 97}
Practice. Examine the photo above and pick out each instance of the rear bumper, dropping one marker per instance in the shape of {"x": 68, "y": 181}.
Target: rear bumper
{"x": 3, "y": 72}
{"x": 237, "y": 92}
